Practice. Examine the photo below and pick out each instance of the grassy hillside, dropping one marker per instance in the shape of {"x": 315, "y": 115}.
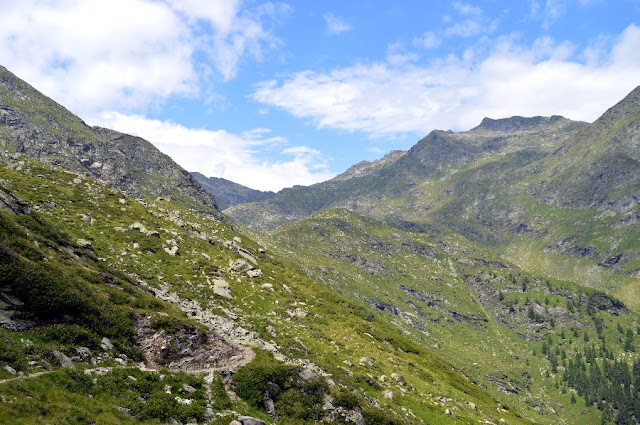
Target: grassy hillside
{"x": 107, "y": 257}
{"x": 511, "y": 330}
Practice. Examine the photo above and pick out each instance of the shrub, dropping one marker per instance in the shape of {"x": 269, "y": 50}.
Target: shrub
{"x": 346, "y": 399}
{"x": 378, "y": 417}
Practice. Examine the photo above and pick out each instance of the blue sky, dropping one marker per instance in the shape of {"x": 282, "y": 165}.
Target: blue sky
{"x": 272, "y": 94}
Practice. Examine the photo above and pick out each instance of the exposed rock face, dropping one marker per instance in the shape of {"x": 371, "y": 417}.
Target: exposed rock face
{"x": 189, "y": 349}
{"x": 11, "y": 311}
{"x": 40, "y": 128}
{"x": 12, "y": 203}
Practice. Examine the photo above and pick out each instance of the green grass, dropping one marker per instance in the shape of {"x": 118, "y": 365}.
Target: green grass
{"x": 490, "y": 339}
{"x": 331, "y": 329}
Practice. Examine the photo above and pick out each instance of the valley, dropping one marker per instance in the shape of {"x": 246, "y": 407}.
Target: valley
{"x": 487, "y": 276}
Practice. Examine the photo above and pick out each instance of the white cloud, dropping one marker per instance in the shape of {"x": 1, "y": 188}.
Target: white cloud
{"x": 428, "y": 40}
{"x": 222, "y": 154}
{"x": 335, "y": 25}
{"x": 473, "y": 22}
{"x": 466, "y": 8}
{"x": 383, "y": 100}
{"x": 237, "y": 32}
{"x": 94, "y": 55}
{"x": 553, "y": 10}
{"x": 89, "y": 54}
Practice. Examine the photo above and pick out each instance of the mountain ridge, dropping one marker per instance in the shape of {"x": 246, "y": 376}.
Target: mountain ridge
{"x": 37, "y": 126}
{"x": 228, "y": 193}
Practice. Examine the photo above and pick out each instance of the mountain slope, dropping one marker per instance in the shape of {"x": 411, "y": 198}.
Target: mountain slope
{"x": 228, "y": 193}
{"x": 227, "y": 282}
{"x": 483, "y": 313}
{"x": 599, "y": 166}
{"x": 487, "y": 246}
{"x": 32, "y": 124}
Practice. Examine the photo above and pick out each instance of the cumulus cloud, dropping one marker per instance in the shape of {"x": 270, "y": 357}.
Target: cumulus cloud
{"x": 383, "y": 100}
{"x": 236, "y": 32}
{"x": 335, "y": 25}
{"x": 90, "y": 55}
{"x": 218, "y": 153}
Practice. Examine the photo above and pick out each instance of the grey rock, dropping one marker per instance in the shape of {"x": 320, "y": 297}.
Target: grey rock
{"x": 188, "y": 389}
{"x": 355, "y": 417}
{"x": 10, "y": 369}
{"x": 63, "y": 359}
{"x": 241, "y": 266}
{"x": 254, "y": 273}
{"x": 184, "y": 401}
{"x": 398, "y": 378}
{"x": 270, "y": 407}
{"x": 173, "y": 251}
{"x": 138, "y": 226}
{"x": 366, "y": 361}
{"x": 83, "y": 353}
{"x": 221, "y": 287}
{"x": 272, "y": 390}
{"x": 247, "y": 256}
{"x": 83, "y": 243}
{"x": 307, "y": 375}
{"x": 248, "y": 420}
{"x": 106, "y": 344}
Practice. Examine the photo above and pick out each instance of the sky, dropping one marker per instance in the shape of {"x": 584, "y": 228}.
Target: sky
{"x": 276, "y": 94}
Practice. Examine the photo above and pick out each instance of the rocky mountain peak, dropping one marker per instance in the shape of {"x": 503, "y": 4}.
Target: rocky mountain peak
{"x": 515, "y": 123}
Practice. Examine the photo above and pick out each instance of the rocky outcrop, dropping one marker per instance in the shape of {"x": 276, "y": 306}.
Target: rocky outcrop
{"x": 38, "y": 127}
{"x": 187, "y": 349}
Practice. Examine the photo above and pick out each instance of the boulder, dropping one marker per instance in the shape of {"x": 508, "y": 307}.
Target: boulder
{"x": 307, "y": 375}
{"x": 173, "y": 251}
{"x": 248, "y": 420}
{"x": 106, "y": 344}
{"x": 254, "y": 273}
{"x": 241, "y": 266}
{"x": 221, "y": 288}
{"x": 83, "y": 243}
{"x": 366, "y": 361}
{"x": 138, "y": 226}
{"x": 63, "y": 359}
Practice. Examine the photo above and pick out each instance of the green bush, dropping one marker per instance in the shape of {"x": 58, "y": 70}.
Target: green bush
{"x": 296, "y": 404}
{"x": 251, "y": 380}
{"x": 378, "y": 417}
{"x": 72, "y": 334}
{"x": 346, "y": 399}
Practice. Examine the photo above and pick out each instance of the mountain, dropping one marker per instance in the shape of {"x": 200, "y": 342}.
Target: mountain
{"x": 32, "y": 124}
{"x": 228, "y": 193}
{"x": 510, "y": 249}
{"x": 399, "y": 172}
{"x": 554, "y": 195}
{"x": 117, "y": 308}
